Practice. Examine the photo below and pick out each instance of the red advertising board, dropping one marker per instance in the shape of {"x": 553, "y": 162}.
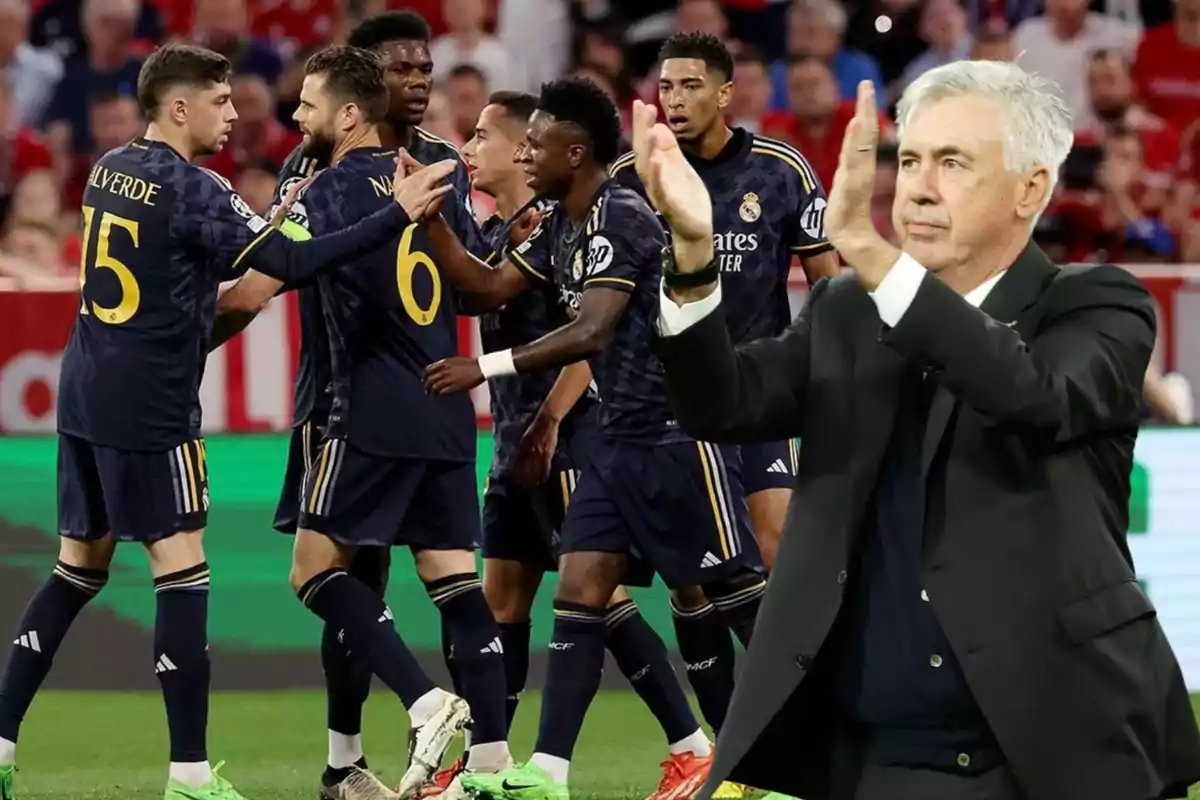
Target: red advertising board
{"x": 248, "y": 382}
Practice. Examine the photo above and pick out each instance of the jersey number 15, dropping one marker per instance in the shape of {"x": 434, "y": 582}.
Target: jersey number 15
{"x": 131, "y": 293}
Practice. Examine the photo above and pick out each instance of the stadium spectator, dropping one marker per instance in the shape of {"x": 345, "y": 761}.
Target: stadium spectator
{"x": 817, "y": 122}
{"x": 468, "y": 43}
{"x": 256, "y": 184}
{"x": 552, "y": 20}
{"x": 439, "y": 118}
{"x": 58, "y": 26}
{"x": 1059, "y": 44}
{"x": 114, "y": 120}
{"x": 467, "y": 89}
{"x": 38, "y": 231}
{"x": 890, "y": 30}
{"x": 1111, "y": 95}
{"x": 701, "y": 16}
{"x": 224, "y": 26}
{"x": 108, "y": 65}
{"x": 816, "y": 28}
{"x": 1007, "y": 14}
{"x": 944, "y": 28}
{"x": 257, "y": 134}
{"x": 993, "y": 44}
{"x": 601, "y": 45}
{"x": 1167, "y": 67}
{"x": 295, "y": 28}
{"x": 32, "y": 73}
{"x": 22, "y": 150}
{"x": 752, "y": 92}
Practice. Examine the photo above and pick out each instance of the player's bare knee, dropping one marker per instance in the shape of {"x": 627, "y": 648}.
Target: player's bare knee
{"x": 93, "y": 554}
{"x": 688, "y": 598}
{"x": 589, "y": 578}
{"x": 510, "y": 588}
{"x": 619, "y": 596}
{"x": 314, "y": 553}
{"x": 768, "y": 510}
{"x": 176, "y": 553}
{"x": 433, "y": 565}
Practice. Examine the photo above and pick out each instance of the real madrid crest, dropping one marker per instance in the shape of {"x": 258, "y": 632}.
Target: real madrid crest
{"x": 577, "y": 265}
{"x": 750, "y": 210}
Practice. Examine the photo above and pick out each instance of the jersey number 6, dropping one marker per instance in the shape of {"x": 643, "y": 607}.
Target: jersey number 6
{"x": 407, "y": 261}
{"x": 131, "y": 293}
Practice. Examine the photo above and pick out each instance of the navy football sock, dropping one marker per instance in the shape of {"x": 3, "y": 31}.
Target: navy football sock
{"x": 738, "y": 605}
{"x": 707, "y": 651}
{"x": 42, "y": 628}
{"x": 514, "y": 636}
{"x": 477, "y": 652}
{"x": 181, "y": 659}
{"x": 642, "y": 657}
{"x": 448, "y": 656}
{"x": 347, "y": 682}
{"x": 572, "y": 676}
{"x": 369, "y": 628}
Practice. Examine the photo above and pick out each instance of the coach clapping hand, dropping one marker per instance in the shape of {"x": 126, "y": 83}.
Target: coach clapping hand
{"x": 419, "y": 190}
{"x": 674, "y": 187}
{"x": 848, "y": 221}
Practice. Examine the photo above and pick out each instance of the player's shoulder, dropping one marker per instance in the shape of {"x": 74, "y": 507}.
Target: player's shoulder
{"x": 623, "y": 211}
{"x": 428, "y": 148}
{"x": 298, "y": 165}
{"x": 778, "y": 157}
{"x": 623, "y": 169}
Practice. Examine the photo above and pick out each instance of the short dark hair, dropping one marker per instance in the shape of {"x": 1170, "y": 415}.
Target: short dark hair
{"x": 583, "y": 103}
{"x": 391, "y": 26}
{"x": 353, "y": 75}
{"x": 518, "y": 106}
{"x": 703, "y": 46}
{"x": 467, "y": 71}
{"x": 175, "y": 65}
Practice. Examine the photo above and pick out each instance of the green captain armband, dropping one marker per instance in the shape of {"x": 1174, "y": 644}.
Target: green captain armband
{"x": 295, "y": 231}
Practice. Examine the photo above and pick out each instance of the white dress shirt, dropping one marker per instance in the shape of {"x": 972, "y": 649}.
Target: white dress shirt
{"x": 892, "y": 298}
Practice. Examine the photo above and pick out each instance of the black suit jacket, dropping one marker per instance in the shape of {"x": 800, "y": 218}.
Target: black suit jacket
{"x": 1027, "y": 455}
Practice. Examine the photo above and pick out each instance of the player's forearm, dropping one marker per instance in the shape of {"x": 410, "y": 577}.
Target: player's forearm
{"x": 229, "y": 324}
{"x": 824, "y": 265}
{"x": 570, "y": 385}
{"x": 578, "y": 340}
{"x": 280, "y": 257}
{"x": 480, "y": 284}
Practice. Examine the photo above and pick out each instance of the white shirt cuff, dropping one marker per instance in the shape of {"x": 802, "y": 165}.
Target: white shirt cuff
{"x": 675, "y": 319}
{"x": 898, "y": 288}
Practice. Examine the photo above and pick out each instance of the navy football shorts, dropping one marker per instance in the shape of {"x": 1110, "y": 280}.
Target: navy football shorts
{"x": 360, "y": 500}
{"x": 678, "y": 509}
{"x": 769, "y": 465}
{"x": 139, "y": 497}
{"x": 303, "y": 450}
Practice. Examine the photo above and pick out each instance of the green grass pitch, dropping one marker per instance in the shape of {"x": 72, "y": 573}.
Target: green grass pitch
{"x": 113, "y": 746}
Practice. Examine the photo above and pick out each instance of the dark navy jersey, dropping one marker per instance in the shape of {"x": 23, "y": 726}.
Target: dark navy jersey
{"x": 768, "y": 205}
{"x": 313, "y": 389}
{"x": 159, "y": 235}
{"x": 618, "y": 245}
{"x": 515, "y": 399}
{"x": 389, "y": 315}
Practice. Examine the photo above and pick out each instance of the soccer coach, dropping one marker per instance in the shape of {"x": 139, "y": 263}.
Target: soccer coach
{"x": 953, "y": 612}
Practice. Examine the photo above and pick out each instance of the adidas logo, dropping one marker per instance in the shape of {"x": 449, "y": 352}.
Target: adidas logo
{"x": 164, "y": 664}
{"x": 710, "y": 561}
{"x": 779, "y": 467}
{"x": 386, "y": 616}
{"x": 494, "y": 646}
{"x": 29, "y": 641}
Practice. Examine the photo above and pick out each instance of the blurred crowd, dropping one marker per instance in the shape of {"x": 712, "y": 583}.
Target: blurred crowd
{"x": 1130, "y": 71}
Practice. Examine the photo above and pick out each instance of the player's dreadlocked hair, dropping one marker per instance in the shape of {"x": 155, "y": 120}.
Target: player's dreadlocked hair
{"x": 517, "y": 106}
{"x": 582, "y": 102}
{"x": 391, "y": 26}
{"x": 353, "y": 76}
{"x": 701, "y": 46}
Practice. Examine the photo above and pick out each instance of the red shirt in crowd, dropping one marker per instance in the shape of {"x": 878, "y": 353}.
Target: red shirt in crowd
{"x": 822, "y": 152}
{"x": 1160, "y": 145}
{"x": 1167, "y": 74}
{"x": 279, "y": 143}
{"x": 23, "y": 154}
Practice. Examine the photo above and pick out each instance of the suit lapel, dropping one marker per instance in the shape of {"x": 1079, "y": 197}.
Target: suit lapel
{"x": 1012, "y": 295}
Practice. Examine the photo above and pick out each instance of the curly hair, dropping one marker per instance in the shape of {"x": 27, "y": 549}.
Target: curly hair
{"x": 583, "y": 103}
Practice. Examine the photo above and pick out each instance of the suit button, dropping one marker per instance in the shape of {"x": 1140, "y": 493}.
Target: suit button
{"x": 842, "y": 576}
{"x": 963, "y": 760}
{"x": 935, "y": 661}
{"x": 925, "y": 595}
{"x": 803, "y": 661}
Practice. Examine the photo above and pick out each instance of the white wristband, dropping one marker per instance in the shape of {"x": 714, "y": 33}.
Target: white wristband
{"x": 498, "y": 364}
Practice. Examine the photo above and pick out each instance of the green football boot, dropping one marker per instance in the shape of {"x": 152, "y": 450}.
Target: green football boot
{"x": 216, "y": 789}
{"x": 522, "y": 782}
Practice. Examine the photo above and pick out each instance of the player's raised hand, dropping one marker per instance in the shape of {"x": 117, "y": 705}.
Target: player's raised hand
{"x": 523, "y": 226}
{"x": 405, "y": 160}
{"x": 674, "y": 187}
{"x": 848, "y": 215}
{"x": 450, "y": 375}
{"x": 420, "y": 193}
